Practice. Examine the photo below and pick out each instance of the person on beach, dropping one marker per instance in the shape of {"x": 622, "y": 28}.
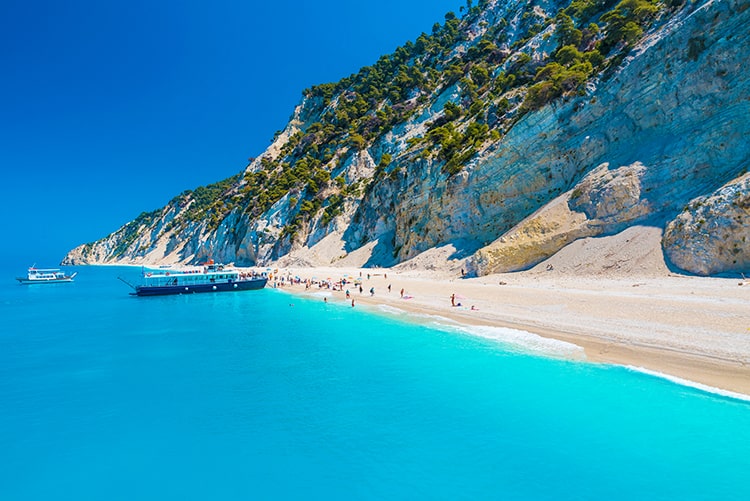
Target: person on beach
{"x": 453, "y": 300}
{"x": 372, "y": 291}
{"x": 347, "y": 294}
{"x": 360, "y": 289}
{"x": 402, "y": 293}
{"x": 389, "y": 287}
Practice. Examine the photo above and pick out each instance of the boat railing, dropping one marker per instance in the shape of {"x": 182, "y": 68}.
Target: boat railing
{"x": 168, "y": 277}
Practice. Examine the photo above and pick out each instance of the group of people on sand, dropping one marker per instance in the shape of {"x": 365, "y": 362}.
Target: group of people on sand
{"x": 342, "y": 285}
{"x": 339, "y": 285}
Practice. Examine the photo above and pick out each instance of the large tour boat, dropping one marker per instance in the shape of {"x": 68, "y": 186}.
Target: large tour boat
{"x": 209, "y": 278}
{"x": 45, "y": 276}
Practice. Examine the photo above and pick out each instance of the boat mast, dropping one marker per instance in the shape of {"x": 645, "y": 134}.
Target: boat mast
{"x": 127, "y": 283}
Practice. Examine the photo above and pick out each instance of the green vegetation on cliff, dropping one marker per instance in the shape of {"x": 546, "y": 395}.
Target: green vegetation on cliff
{"x": 487, "y": 72}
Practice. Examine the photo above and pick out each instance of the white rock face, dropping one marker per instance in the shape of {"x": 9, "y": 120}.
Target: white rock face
{"x": 680, "y": 117}
{"x": 602, "y": 203}
{"x": 665, "y": 129}
{"x": 612, "y": 197}
{"x": 712, "y": 234}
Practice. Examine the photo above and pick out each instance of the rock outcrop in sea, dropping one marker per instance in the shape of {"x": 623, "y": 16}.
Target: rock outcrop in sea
{"x": 508, "y": 133}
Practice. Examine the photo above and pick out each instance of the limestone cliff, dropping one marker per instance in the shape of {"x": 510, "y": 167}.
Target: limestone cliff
{"x": 712, "y": 234}
{"x": 510, "y": 133}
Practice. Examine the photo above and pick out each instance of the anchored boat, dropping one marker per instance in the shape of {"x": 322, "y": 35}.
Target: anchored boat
{"x": 45, "y": 276}
{"x": 210, "y": 278}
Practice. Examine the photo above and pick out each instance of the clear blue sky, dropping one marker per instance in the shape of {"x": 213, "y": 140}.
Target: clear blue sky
{"x": 109, "y": 109}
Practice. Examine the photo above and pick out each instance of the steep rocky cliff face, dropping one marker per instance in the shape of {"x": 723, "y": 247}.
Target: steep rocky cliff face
{"x": 510, "y": 134}
{"x": 712, "y": 234}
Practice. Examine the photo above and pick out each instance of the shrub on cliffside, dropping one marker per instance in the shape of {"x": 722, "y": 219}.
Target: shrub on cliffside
{"x": 625, "y": 22}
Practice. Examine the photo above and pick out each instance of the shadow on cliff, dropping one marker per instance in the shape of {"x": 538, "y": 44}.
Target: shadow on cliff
{"x": 463, "y": 248}
{"x": 379, "y": 252}
{"x": 383, "y": 253}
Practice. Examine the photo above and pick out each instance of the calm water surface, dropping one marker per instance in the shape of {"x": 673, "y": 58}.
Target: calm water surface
{"x": 264, "y": 395}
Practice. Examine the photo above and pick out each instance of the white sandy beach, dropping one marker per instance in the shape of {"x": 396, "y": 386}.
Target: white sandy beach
{"x": 624, "y": 308}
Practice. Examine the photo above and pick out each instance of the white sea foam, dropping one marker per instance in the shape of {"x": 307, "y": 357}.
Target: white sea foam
{"x": 436, "y": 319}
{"x": 524, "y": 341}
{"x": 691, "y": 384}
{"x": 391, "y": 310}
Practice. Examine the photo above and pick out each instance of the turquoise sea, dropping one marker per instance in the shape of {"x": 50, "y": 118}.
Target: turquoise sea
{"x": 266, "y": 395}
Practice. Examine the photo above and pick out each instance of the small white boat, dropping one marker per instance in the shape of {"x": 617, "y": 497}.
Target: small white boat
{"x": 45, "y": 276}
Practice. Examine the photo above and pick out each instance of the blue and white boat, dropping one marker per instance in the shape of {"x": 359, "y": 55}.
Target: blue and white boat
{"x": 45, "y": 276}
{"x": 210, "y": 278}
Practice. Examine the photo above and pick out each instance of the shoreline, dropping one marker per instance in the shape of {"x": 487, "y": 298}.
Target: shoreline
{"x": 685, "y": 329}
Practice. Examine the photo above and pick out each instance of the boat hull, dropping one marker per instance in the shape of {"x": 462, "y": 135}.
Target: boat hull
{"x": 26, "y": 281}
{"x": 168, "y": 290}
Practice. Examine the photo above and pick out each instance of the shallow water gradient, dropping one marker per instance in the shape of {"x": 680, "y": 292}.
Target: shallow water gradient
{"x": 265, "y": 395}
